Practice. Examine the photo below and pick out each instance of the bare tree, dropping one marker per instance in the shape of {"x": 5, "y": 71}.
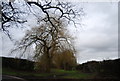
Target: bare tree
{"x": 48, "y": 41}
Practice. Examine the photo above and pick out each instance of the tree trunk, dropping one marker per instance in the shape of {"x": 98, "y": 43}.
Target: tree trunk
{"x": 48, "y": 61}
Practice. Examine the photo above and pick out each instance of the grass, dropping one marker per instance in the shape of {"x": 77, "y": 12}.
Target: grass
{"x": 73, "y": 74}
{"x": 54, "y": 73}
{"x": 9, "y": 71}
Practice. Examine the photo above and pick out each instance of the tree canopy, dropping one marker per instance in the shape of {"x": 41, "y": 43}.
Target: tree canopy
{"x": 15, "y": 13}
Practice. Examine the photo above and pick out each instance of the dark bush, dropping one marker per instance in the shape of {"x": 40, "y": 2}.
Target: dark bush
{"x": 19, "y": 64}
{"x": 106, "y": 68}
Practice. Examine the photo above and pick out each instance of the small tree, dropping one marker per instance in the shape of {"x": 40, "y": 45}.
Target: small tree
{"x": 65, "y": 59}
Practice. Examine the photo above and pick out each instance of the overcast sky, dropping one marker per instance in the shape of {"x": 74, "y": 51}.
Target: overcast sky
{"x": 97, "y": 39}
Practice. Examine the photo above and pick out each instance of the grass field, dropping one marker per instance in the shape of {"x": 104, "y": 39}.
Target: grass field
{"x": 55, "y": 73}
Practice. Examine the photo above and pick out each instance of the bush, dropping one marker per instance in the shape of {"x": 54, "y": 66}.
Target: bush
{"x": 19, "y": 64}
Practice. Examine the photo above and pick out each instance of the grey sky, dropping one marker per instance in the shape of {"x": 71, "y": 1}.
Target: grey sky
{"x": 97, "y": 39}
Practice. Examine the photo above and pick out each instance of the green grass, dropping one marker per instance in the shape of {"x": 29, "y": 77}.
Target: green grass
{"x": 9, "y": 71}
{"x": 54, "y": 72}
{"x": 74, "y": 74}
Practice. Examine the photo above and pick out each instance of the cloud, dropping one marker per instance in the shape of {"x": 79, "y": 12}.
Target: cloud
{"x": 99, "y": 38}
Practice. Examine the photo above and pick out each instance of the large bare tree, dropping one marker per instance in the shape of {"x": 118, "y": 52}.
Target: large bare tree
{"x": 47, "y": 40}
{"x": 51, "y": 36}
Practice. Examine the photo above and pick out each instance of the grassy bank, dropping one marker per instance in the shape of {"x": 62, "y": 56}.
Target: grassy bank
{"x": 55, "y": 73}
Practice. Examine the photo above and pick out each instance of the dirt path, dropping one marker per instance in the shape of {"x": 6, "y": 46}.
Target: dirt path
{"x": 11, "y": 78}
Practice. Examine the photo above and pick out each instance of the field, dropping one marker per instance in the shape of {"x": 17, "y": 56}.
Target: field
{"x": 55, "y": 73}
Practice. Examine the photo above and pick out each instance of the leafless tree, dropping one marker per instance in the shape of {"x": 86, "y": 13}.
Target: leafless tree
{"x": 48, "y": 41}
{"x": 51, "y": 36}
